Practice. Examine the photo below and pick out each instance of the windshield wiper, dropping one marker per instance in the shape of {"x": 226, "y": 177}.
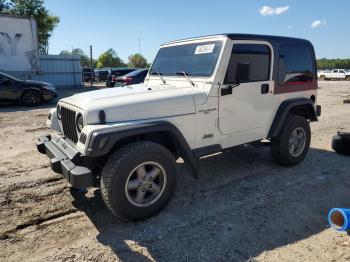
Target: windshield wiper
{"x": 160, "y": 76}
{"x": 185, "y": 75}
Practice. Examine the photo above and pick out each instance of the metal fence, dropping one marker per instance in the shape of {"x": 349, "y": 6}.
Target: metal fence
{"x": 60, "y": 70}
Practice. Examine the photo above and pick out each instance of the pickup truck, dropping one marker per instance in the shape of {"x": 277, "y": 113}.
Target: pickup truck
{"x": 335, "y": 74}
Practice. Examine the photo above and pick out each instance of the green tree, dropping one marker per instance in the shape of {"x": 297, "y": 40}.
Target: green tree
{"x": 110, "y": 59}
{"x": 85, "y": 60}
{"x": 138, "y": 61}
{"x": 46, "y": 21}
{"x": 65, "y": 52}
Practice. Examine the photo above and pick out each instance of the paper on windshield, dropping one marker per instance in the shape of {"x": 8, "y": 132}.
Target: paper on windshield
{"x": 204, "y": 49}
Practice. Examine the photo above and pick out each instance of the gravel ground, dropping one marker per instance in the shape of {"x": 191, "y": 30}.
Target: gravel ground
{"x": 244, "y": 207}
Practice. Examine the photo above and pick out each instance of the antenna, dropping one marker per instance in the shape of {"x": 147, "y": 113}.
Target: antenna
{"x": 140, "y": 46}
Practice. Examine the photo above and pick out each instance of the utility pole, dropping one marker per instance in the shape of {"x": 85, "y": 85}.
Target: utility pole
{"x": 140, "y": 46}
{"x": 92, "y": 71}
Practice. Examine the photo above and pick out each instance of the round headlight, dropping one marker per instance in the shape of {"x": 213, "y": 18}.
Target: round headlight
{"x": 58, "y": 112}
{"x": 80, "y": 123}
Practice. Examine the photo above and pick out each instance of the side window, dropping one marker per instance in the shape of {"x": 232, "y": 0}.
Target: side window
{"x": 295, "y": 64}
{"x": 341, "y": 71}
{"x": 3, "y": 80}
{"x": 254, "y": 58}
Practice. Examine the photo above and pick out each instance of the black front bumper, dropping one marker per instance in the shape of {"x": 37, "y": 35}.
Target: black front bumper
{"x": 64, "y": 159}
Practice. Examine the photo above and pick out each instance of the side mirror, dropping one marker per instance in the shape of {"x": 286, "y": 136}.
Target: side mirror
{"x": 242, "y": 72}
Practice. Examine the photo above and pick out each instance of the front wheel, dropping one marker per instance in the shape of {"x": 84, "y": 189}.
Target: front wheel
{"x": 138, "y": 180}
{"x": 290, "y": 147}
{"x": 31, "y": 98}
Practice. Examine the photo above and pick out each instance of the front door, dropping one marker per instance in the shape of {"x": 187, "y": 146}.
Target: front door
{"x": 8, "y": 88}
{"x": 249, "y": 73}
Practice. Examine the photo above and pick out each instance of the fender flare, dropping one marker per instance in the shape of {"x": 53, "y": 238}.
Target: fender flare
{"x": 113, "y": 135}
{"x": 284, "y": 110}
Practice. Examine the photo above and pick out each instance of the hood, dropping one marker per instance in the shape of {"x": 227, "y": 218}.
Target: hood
{"x": 136, "y": 102}
{"x": 33, "y": 82}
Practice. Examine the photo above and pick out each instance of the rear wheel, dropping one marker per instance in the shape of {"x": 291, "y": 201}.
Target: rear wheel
{"x": 322, "y": 78}
{"x": 292, "y": 144}
{"x": 31, "y": 98}
{"x": 347, "y": 78}
{"x": 138, "y": 180}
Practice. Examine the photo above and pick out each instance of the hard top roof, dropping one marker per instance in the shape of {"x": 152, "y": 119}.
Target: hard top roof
{"x": 236, "y": 36}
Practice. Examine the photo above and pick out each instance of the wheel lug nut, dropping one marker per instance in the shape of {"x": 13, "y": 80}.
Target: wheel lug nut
{"x": 144, "y": 178}
{"x": 150, "y": 178}
{"x": 143, "y": 189}
{"x": 140, "y": 183}
{"x": 150, "y": 185}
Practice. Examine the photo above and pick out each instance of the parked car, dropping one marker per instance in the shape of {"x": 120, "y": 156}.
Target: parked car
{"x": 28, "y": 92}
{"x": 203, "y": 96}
{"x": 135, "y": 77}
{"x": 88, "y": 73}
{"x": 114, "y": 73}
{"x": 335, "y": 74}
{"x": 101, "y": 74}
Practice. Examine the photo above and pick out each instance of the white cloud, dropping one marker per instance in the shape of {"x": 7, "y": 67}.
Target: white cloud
{"x": 318, "y": 23}
{"x": 268, "y": 10}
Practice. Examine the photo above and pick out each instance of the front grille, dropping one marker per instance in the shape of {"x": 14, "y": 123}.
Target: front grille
{"x": 69, "y": 124}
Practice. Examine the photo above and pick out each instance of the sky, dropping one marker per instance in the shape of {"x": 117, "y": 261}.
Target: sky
{"x": 122, "y": 25}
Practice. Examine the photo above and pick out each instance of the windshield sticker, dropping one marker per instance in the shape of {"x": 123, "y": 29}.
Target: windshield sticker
{"x": 204, "y": 49}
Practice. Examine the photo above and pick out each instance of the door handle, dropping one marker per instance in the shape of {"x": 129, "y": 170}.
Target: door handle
{"x": 265, "y": 88}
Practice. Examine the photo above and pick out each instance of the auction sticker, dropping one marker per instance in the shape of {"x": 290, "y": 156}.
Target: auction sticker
{"x": 204, "y": 49}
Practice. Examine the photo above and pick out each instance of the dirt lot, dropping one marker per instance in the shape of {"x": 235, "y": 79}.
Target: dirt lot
{"x": 244, "y": 207}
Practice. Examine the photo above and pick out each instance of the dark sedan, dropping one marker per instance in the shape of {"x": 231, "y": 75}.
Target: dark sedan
{"x": 117, "y": 73}
{"x": 28, "y": 92}
{"x": 135, "y": 77}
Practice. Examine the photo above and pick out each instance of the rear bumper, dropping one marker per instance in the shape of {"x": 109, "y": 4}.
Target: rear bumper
{"x": 64, "y": 159}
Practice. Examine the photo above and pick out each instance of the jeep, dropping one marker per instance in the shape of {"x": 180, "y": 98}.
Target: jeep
{"x": 201, "y": 96}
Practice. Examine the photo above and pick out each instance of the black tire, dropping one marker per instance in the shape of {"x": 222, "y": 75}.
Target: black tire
{"x": 341, "y": 145}
{"x": 118, "y": 171}
{"x": 31, "y": 98}
{"x": 347, "y": 78}
{"x": 280, "y": 145}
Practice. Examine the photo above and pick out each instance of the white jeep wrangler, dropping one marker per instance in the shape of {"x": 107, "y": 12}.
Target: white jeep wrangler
{"x": 201, "y": 96}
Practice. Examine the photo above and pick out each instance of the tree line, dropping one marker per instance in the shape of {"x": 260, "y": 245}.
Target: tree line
{"x": 333, "y": 63}
{"x": 109, "y": 58}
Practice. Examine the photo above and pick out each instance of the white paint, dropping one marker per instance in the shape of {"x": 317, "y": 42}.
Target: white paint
{"x": 18, "y": 44}
{"x": 202, "y": 115}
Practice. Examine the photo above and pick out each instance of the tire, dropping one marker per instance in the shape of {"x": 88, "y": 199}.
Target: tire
{"x": 322, "y": 78}
{"x": 31, "y": 98}
{"x": 286, "y": 150}
{"x": 347, "y": 78}
{"x": 341, "y": 145}
{"x": 126, "y": 167}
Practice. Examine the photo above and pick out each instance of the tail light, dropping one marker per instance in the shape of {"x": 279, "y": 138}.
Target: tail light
{"x": 128, "y": 79}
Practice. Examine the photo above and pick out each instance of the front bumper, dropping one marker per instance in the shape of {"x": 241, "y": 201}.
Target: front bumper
{"x": 64, "y": 159}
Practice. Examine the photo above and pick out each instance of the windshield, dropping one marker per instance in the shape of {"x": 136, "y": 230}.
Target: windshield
{"x": 11, "y": 77}
{"x": 197, "y": 59}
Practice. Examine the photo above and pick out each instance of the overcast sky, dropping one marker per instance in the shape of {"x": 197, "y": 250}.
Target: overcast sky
{"x": 120, "y": 24}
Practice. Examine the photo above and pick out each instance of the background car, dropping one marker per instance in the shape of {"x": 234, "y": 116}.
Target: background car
{"x": 28, "y": 92}
{"x": 87, "y": 74}
{"x": 101, "y": 74}
{"x": 135, "y": 77}
{"x": 117, "y": 73}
